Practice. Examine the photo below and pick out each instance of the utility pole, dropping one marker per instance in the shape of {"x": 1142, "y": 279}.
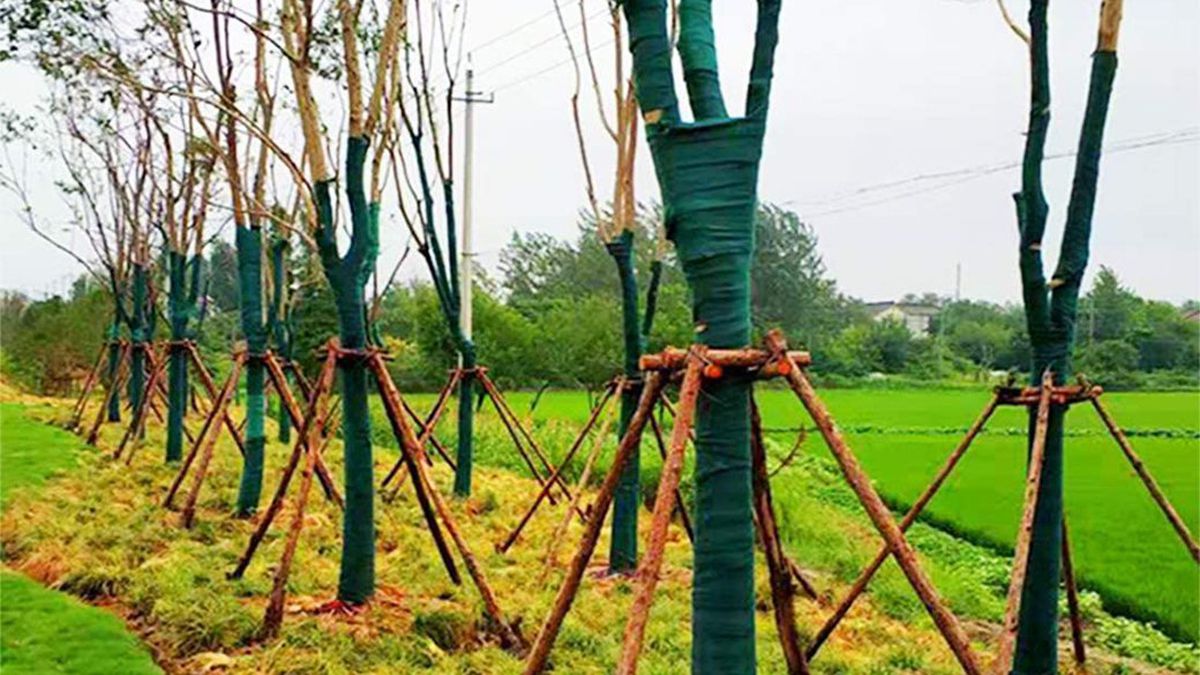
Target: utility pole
{"x": 957, "y": 282}
{"x": 471, "y": 97}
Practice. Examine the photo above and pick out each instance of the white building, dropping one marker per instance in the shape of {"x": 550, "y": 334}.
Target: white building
{"x": 918, "y": 319}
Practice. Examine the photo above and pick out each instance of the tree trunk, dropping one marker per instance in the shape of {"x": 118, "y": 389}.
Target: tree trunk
{"x": 114, "y": 362}
{"x": 1050, "y": 311}
{"x": 249, "y": 260}
{"x": 623, "y": 549}
{"x": 139, "y": 336}
{"x": 464, "y": 458}
{"x": 347, "y": 276}
{"x": 708, "y": 176}
{"x": 279, "y": 320}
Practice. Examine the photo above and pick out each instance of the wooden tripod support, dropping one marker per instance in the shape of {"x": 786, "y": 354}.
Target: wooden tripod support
{"x": 1040, "y": 399}
{"x": 433, "y": 505}
{"x": 89, "y": 384}
{"x": 700, "y": 362}
{"x": 205, "y": 443}
{"x": 522, "y": 440}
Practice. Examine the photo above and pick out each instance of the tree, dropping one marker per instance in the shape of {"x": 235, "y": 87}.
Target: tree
{"x": 708, "y": 174}
{"x": 1051, "y": 311}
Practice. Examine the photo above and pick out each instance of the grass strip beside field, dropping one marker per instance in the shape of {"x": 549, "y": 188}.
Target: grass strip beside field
{"x": 42, "y": 630}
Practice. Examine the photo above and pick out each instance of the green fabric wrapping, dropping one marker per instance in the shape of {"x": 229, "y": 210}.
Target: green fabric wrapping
{"x": 708, "y": 175}
{"x": 110, "y": 370}
{"x": 698, "y": 53}
{"x": 356, "y": 581}
{"x": 183, "y": 292}
{"x": 249, "y": 242}
{"x": 464, "y": 456}
{"x": 277, "y": 319}
{"x": 622, "y": 556}
{"x": 139, "y": 335}
{"x": 656, "y": 268}
{"x": 1052, "y": 336}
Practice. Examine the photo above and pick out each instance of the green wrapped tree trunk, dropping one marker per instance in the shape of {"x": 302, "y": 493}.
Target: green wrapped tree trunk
{"x": 1050, "y": 312}
{"x": 464, "y": 458}
{"x": 347, "y": 275}
{"x": 279, "y": 320}
{"x": 110, "y": 369}
{"x": 707, "y": 173}
{"x": 250, "y": 291}
{"x": 622, "y": 555}
{"x": 182, "y": 304}
{"x": 139, "y": 334}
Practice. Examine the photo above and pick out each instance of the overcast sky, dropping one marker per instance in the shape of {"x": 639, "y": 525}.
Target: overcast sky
{"x": 894, "y": 126}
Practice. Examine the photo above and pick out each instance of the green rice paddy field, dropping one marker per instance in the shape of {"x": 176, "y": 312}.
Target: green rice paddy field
{"x": 1123, "y": 546}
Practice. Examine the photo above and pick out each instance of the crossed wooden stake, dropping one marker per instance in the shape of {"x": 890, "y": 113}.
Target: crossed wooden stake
{"x": 433, "y": 505}
{"x": 528, "y": 449}
{"x": 698, "y": 362}
{"x": 118, "y": 381}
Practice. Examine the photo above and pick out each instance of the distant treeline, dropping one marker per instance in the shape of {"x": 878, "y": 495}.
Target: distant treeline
{"x": 553, "y": 318}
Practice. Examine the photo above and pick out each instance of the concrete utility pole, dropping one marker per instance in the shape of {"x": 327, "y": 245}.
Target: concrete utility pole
{"x": 471, "y": 97}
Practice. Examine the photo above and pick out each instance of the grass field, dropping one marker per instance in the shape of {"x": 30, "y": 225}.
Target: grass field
{"x": 41, "y": 630}
{"x": 1124, "y": 547}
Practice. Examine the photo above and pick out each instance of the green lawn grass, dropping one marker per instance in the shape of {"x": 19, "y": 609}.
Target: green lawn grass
{"x": 44, "y": 631}
{"x": 1124, "y": 547}
{"x": 31, "y": 452}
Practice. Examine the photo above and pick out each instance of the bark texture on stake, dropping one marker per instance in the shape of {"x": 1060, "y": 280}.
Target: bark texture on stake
{"x": 114, "y": 387}
{"x": 88, "y": 385}
{"x": 540, "y": 652}
{"x": 221, "y": 405}
{"x": 1077, "y": 647}
{"x": 211, "y": 388}
{"x": 880, "y": 516}
{"x": 412, "y": 460}
{"x": 427, "y": 428}
{"x": 783, "y": 591}
{"x": 292, "y": 407}
{"x": 1033, "y": 481}
{"x": 561, "y": 531}
{"x": 500, "y": 402}
{"x": 408, "y": 444}
{"x": 680, "y": 507}
{"x": 1156, "y": 492}
{"x": 318, "y": 393}
{"x": 425, "y": 435}
{"x": 914, "y": 512}
{"x": 674, "y": 358}
{"x": 566, "y": 461}
{"x": 139, "y": 415}
{"x": 274, "y": 614}
{"x": 664, "y": 506}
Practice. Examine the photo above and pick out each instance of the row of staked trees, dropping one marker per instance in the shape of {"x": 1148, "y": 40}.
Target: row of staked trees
{"x": 161, "y": 129}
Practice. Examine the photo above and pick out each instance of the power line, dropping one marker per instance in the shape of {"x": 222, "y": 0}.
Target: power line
{"x": 517, "y": 29}
{"x": 959, "y": 176}
{"x": 539, "y": 44}
{"x": 547, "y": 69}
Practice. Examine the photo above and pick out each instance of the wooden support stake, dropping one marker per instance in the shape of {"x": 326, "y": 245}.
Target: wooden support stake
{"x": 566, "y": 461}
{"x": 220, "y": 406}
{"x": 680, "y": 507}
{"x": 561, "y": 531}
{"x": 425, "y": 429}
{"x": 540, "y": 652}
{"x": 1078, "y": 650}
{"x": 914, "y": 512}
{"x": 209, "y": 386}
{"x": 1033, "y": 481}
{"x": 273, "y": 617}
{"x": 412, "y": 460}
{"x": 1143, "y": 473}
{"x": 308, "y": 421}
{"x": 138, "y": 423}
{"x": 279, "y": 381}
{"x": 113, "y": 387}
{"x": 880, "y": 516}
{"x": 88, "y": 384}
{"x": 783, "y": 592}
{"x": 498, "y": 399}
{"x": 408, "y": 442}
{"x": 430, "y": 423}
{"x": 664, "y": 505}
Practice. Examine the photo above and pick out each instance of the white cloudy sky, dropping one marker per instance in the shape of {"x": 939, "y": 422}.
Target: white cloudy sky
{"x": 867, "y": 93}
